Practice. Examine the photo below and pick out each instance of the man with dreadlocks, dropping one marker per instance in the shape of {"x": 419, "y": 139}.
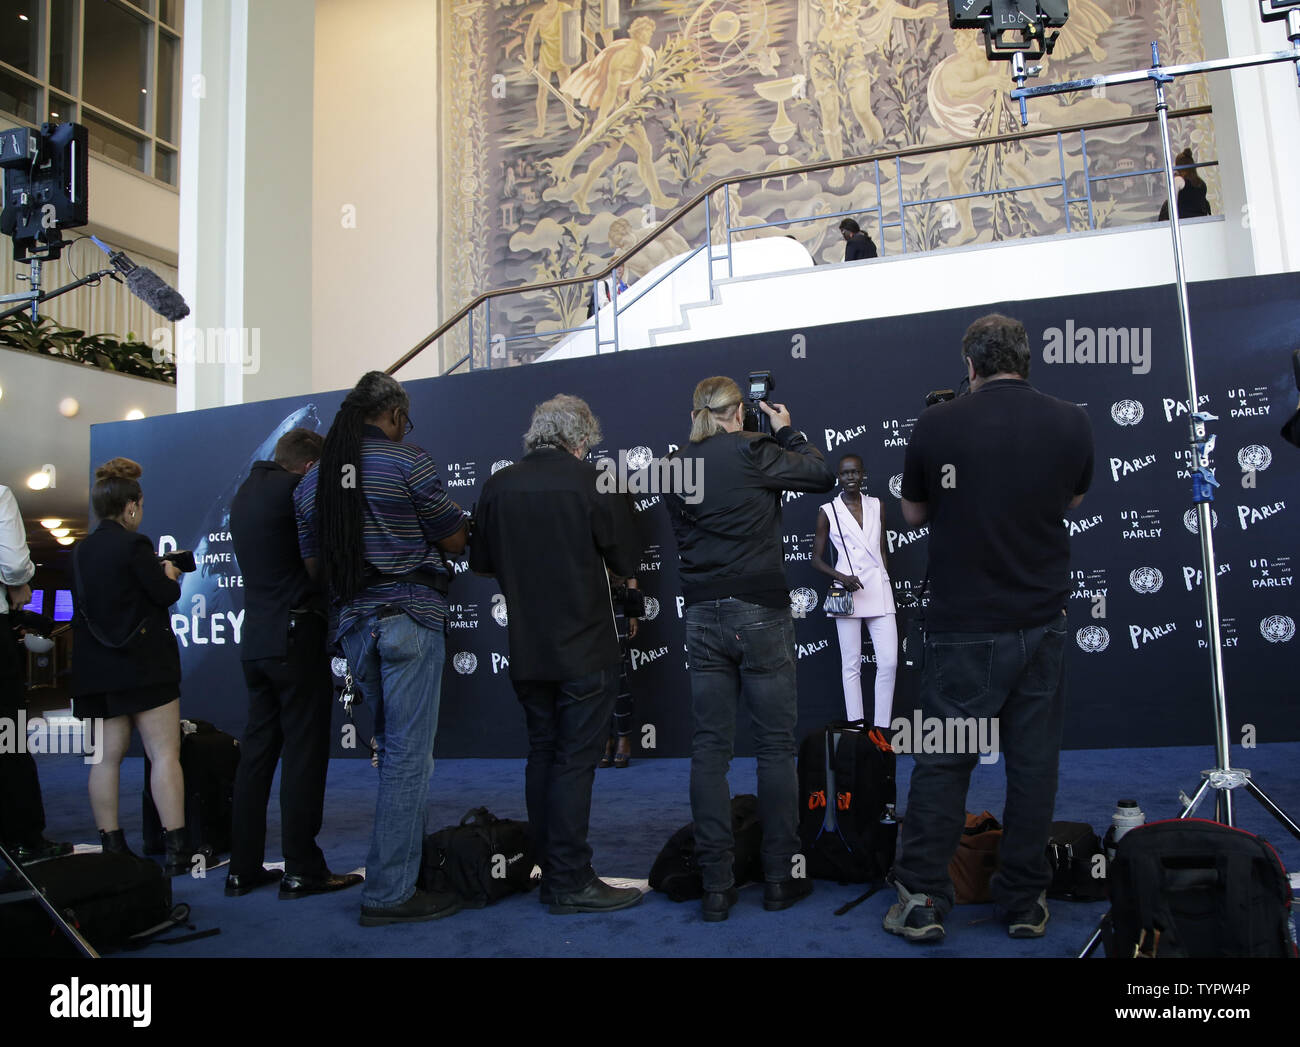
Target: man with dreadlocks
{"x": 374, "y": 519}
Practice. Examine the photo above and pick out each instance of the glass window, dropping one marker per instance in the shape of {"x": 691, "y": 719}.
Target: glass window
{"x": 62, "y": 109}
{"x": 63, "y": 45}
{"x": 116, "y": 143}
{"x": 169, "y": 61}
{"x": 19, "y": 98}
{"x": 164, "y": 168}
{"x": 116, "y": 77}
{"x": 172, "y": 12}
{"x": 19, "y": 33}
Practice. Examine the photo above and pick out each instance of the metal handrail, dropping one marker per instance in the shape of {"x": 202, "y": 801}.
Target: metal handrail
{"x": 705, "y": 195}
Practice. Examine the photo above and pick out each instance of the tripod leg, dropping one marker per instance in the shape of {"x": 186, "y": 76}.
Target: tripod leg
{"x": 1272, "y": 808}
{"x": 1223, "y": 807}
{"x": 1191, "y": 804}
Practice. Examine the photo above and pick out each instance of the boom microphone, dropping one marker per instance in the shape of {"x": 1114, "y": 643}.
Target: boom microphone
{"x": 147, "y": 285}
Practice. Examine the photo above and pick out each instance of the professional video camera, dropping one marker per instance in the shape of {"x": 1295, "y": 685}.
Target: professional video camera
{"x": 45, "y": 175}
{"x": 1030, "y": 18}
{"x": 182, "y": 559}
{"x": 761, "y": 384}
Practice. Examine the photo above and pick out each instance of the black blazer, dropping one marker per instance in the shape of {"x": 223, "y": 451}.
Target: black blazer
{"x": 120, "y": 584}
{"x": 265, "y": 533}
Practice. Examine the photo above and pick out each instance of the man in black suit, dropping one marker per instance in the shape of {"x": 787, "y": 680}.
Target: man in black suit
{"x": 857, "y": 244}
{"x": 547, "y": 534}
{"x": 287, "y": 672}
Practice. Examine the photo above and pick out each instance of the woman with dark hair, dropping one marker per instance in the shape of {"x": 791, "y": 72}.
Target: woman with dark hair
{"x": 126, "y": 667}
{"x": 1192, "y": 194}
{"x": 855, "y": 524}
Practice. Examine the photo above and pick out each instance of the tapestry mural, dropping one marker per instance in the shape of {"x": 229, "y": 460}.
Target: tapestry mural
{"x": 574, "y": 127}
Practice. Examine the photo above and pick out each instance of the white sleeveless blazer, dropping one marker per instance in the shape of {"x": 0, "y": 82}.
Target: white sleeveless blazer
{"x": 860, "y": 548}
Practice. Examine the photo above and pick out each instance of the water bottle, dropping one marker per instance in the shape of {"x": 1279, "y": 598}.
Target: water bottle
{"x": 1128, "y": 815}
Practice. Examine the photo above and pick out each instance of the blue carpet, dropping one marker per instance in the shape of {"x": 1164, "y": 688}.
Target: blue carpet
{"x": 633, "y": 812}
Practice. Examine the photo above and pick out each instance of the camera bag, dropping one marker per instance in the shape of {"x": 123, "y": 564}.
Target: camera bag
{"x": 1077, "y": 857}
{"x": 482, "y": 860}
{"x": 1195, "y": 888}
{"x": 845, "y": 782}
{"x": 209, "y": 759}
{"x": 108, "y": 898}
{"x": 676, "y": 870}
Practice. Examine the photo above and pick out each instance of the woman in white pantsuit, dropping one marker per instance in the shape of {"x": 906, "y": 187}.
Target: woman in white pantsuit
{"x": 855, "y": 524}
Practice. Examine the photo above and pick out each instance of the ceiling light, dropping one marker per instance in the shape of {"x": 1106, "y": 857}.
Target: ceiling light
{"x": 49, "y": 523}
{"x": 22, "y": 18}
{"x": 66, "y": 541}
{"x": 68, "y": 407}
{"x": 134, "y": 415}
{"x": 42, "y": 480}
{"x": 60, "y": 532}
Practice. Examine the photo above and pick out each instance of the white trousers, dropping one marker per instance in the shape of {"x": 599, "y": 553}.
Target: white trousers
{"x": 884, "y": 638}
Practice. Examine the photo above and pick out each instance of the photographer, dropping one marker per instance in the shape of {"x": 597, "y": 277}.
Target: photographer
{"x": 126, "y": 667}
{"x": 22, "y": 816}
{"x": 287, "y": 672}
{"x": 374, "y": 519}
{"x": 549, "y": 537}
{"x": 992, "y": 474}
{"x": 739, "y": 630}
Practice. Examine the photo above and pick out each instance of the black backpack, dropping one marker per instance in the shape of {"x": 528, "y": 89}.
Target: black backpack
{"x": 1195, "y": 888}
{"x": 482, "y": 860}
{"x": 676, "y": 871}
{"x": 1078, "y": 863}
{"x": 847, "y": 832}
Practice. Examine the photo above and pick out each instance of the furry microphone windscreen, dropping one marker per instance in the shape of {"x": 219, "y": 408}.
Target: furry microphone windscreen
{"x": 148, "y": 286}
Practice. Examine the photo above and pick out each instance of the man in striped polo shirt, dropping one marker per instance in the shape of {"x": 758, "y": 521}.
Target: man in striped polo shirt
{"x": 374, "y": 519}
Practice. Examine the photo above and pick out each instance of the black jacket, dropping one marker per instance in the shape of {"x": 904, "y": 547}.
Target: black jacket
{"x": 265, "y": 534}
{"x": 120, "y": 584}
{"x": 859, "y": 245}
{"x": 1193, "y": 202}
{"x": 730, "y": 542}
{"x": 545, "y": 531}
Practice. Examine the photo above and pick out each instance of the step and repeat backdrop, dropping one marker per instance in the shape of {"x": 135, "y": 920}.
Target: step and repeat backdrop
{"x": 1138, "y": 672}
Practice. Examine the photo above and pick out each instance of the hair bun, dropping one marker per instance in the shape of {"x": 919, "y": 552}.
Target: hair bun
{"x": 119, "y": 469}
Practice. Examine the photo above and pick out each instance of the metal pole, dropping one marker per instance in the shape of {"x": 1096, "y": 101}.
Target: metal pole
{"x": 1203, "y": 510}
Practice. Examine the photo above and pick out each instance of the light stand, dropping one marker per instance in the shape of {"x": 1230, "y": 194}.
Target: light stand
{"x": 1223, "y": 778}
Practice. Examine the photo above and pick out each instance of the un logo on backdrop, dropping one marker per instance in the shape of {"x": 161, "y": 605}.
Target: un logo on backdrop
{"x": 639, "y": 458}
{"x": 499, "y": 612}
{"x": 1192, "y": 524}
{"x": 651, "y": 608}
{"x": 896, "y": 485}
{"x": 1277, "y": 628}
{"x": 1126, "y": 412}
{"x": 497, "y": 466}
{"x": 802, "y": 600}
{"x": 1146, "y": 580}
{"x": 464, "y": 662}
{"x": 1092, "y": 639}
{"x": 1256, "y": 456}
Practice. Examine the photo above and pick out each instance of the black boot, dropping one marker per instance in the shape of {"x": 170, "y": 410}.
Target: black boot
{"x": 180, "y": 855}
{"x": 114, "y": 842}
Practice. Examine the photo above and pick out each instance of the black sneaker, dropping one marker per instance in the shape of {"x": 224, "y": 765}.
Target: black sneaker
{"x": 915, "y": 918}
{"x": 1031, "y": 922}
{"x": 422, "y": 905}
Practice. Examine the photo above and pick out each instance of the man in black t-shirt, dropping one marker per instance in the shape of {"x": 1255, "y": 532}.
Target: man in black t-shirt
{"x": 992, "y": 474}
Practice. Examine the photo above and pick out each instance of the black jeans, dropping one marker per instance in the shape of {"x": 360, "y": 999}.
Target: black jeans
{"x": 22, "y": 816}
{"x": 289, "y": 703}
{"x": 736, "y": 647}
{"x": 568, "y": 723}
{"x": 1017, "y": 677}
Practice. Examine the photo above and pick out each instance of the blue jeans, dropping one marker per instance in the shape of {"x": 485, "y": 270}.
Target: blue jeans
{"x": 1017, "y": 677}
{"x": 736, "y": 647}
{"x": 397, "y": 664}
{"x": 568, "y": 723}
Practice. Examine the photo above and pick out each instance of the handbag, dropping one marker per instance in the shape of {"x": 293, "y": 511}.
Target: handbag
{"x": 838, "y": 599}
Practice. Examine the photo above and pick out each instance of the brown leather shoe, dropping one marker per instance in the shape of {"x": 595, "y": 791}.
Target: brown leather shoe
{"x": 302, "y": 886}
